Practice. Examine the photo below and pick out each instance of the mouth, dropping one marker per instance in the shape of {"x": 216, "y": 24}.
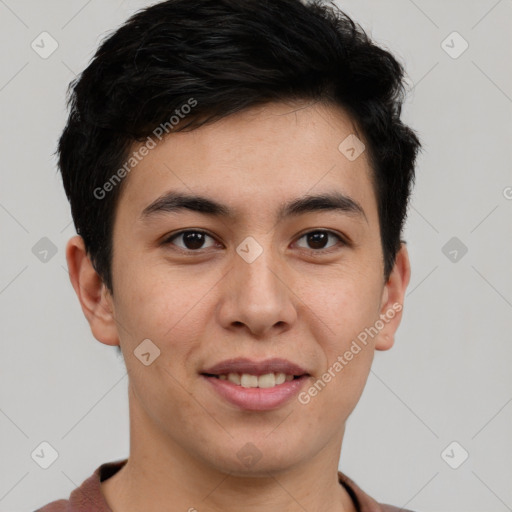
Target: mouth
{"x": 256, "y": 386}
{"x": 246, "y": 380}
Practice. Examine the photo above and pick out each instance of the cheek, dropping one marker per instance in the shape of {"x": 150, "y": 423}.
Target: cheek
{"x": 159, "y": 310}
{"x": 345, "y": 306}
{"x": 334, "y": 392}
{"x": 158, "y": 389}
{"x": 331, "y": 397}
{"x": 158, "y": 305}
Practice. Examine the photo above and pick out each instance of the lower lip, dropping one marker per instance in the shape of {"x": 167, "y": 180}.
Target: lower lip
{"x": 257, "y": 399}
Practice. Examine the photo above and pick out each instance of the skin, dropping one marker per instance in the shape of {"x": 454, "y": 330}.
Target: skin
{"x": 203, "y": 307}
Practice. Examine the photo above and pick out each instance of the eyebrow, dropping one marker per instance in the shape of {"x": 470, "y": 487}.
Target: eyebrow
{"x": 173, "y": 202}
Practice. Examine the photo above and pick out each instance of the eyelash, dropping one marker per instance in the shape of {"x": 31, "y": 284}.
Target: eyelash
{"x": 341, "y": 240}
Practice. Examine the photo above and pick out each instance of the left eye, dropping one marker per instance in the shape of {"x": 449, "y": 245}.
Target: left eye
{"x": 318, "y": 239}
{"x": 192, "y": 240}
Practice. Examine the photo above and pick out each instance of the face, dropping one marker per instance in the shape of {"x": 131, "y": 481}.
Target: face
{"x": 255, "y": 271}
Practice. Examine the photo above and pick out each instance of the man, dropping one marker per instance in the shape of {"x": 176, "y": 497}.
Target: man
{"x": 238, "y": 177}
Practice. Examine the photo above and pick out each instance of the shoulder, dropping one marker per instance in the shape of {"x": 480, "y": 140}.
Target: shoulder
{"x": 88, "y": 497}
{"x": 55, "y": 506}
{"x": 364, "y": 502}
{"x": 391, "y": 508}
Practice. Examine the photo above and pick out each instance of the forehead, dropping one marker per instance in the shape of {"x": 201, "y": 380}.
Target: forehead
{"x": 254, "y": 159}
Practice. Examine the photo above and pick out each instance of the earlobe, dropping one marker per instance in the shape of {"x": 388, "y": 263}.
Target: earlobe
{"x": 392, "y": 300}
{"x": 95, "y": 300}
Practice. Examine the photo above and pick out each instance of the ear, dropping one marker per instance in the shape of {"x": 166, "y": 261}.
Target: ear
{"x": 392, "y": 299}
{"x": 94, "y": 297}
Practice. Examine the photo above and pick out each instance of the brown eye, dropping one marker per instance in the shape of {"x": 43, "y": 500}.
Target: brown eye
{"x": 318, "y": 240}
{"x": 191, "y": 240}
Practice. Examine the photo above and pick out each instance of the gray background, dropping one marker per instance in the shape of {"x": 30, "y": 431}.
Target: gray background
{"x": 448, "y": 377}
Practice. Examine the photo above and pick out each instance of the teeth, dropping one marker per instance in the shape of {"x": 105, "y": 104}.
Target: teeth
{"x": 234, "y": 378}
{"x": 268, "y": 380}
{"x": 246, "y": 380}
{"x": 281, "y": 377}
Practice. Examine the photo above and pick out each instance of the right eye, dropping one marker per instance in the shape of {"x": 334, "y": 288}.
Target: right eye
{"x": 191, "y": 240}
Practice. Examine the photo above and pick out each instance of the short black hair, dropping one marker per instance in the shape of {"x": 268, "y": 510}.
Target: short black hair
{"x": 224, "y": 56}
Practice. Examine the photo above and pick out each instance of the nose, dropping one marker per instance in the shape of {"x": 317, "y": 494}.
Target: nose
{"x": 256, "y": 297}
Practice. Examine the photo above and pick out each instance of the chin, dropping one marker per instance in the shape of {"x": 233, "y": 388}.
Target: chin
{"x": 256, "y": 458}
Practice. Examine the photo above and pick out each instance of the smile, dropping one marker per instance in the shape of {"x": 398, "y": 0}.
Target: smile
{"x": 246, "y": 380}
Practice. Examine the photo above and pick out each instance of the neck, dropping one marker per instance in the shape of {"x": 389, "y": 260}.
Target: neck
{"x": 160, "y": 472}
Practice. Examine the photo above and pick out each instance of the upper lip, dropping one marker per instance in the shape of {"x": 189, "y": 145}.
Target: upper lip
{"x": 244, "y": 365}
